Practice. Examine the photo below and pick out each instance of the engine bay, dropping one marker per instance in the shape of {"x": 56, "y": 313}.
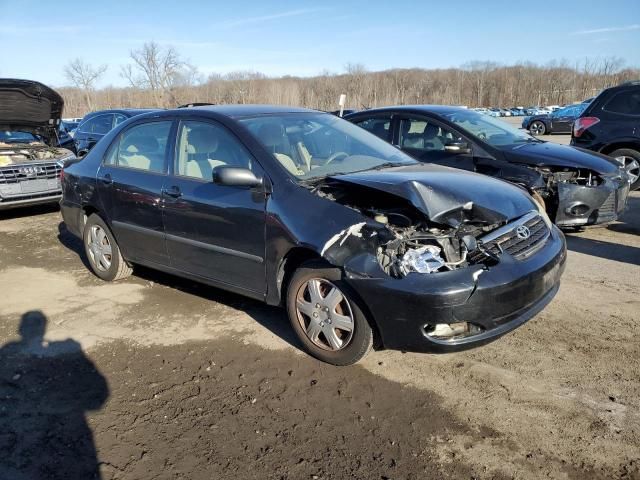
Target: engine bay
{"x": 11, "y": 154}
{"x": 407, "y": 241}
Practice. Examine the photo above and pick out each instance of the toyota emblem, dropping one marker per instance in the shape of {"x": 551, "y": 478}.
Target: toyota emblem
{"x": 523, "y": 232}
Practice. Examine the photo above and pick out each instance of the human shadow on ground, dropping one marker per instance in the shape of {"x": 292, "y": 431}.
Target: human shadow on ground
{"x": 46, "y": 390}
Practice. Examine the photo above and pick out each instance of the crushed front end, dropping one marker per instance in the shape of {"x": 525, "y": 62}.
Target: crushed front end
{"x": 448, "y": 285}
{"x": 581, "y": 197}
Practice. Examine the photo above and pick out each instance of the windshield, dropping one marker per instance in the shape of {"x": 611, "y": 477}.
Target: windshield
{"x": 316, "y": 145}
{"x": 491, "y": 130}
{"x": 13, "y": 136}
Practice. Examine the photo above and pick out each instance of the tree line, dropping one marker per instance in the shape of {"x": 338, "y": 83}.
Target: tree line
{"x": 159, "y": 76}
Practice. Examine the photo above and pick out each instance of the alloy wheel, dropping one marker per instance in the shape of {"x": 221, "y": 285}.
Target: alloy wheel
{"x": 537, "y": 128}
{"x": 324, "y": 314}
{"x": 632, "y": 166}
{"x": 99, "y": 248}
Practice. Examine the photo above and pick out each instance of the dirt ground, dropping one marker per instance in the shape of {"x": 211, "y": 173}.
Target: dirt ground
{"x": 157, "y": 377}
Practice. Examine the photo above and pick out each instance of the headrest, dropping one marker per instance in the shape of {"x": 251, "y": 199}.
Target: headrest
{"x": 430, "y": 131}
{"x": 143, "y": 143}
{"x": 203, "y": 140}
{"x": 271, "y": 134}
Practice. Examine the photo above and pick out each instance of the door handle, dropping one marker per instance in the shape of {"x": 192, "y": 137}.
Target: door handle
{"x": 107, "y": 180}
{"x": 173, "y": 192}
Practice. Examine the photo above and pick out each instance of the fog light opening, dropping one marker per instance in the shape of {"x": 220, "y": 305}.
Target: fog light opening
{"x": 577, "y": 209}
{"x": 446, "y": 331}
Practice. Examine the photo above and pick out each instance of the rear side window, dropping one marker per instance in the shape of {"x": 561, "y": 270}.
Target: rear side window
{"x": 118, "y": 119}
{"x": 100, "y": 124}
{"x": 379, "y": 126}
{"x": 142, "y": 147}
{"x": 626, "y": 103}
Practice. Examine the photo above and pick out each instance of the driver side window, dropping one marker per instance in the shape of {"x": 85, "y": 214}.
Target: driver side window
{"x": 425, "y": 135}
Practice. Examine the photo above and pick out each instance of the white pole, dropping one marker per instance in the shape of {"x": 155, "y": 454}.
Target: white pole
{"x": 341, "y": 102}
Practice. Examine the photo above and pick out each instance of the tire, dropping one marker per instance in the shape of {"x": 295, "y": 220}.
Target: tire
{"x": 322, "y": 309}
{"x": 632, "y": 164}
{"x": 537, "y": 128}
{"x": 102, "y": 251}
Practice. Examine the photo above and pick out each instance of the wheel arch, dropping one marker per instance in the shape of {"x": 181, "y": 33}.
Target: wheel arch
{"x": 631, "y": 145}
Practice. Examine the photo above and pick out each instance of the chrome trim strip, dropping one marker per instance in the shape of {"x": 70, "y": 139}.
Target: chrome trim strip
{"x": 188, "y": 241}
{"x": 508, "y": 227}
{"x": 216, "y": 248}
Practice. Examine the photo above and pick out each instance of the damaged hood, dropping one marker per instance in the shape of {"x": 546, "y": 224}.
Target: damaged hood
{"x": 542, "y": 154}
{"x": 29, "y": 106}
{"x": 448, "y": 195}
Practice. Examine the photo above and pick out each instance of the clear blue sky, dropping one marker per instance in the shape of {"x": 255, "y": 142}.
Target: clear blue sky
{"x": 282, "y": 37}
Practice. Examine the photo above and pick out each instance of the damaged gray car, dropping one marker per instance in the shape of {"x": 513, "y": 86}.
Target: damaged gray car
{"x": 362, "y": 244}
{"x": 30, "y": 160}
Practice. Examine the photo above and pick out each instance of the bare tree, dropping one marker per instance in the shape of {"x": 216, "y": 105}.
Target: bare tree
{"x": 159, "y": 70}
{"x": 84, "y": 76}
{"x": 476, "y": 84}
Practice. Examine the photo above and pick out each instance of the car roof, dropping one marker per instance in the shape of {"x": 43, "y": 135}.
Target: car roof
{"x": 437, "y": 109}
{"x": 234, "y": 110}
{"x": 131, "y": 111}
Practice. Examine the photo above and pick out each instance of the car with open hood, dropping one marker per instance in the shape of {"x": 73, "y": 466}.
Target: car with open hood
{"x": 294, "y": 207}
{"x": 30, "y": 156}
{"x": 577, "y": 187}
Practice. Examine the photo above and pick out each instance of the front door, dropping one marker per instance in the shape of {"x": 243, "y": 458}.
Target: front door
{"x": 130, "y": 184}
{"x": 213, "y": 231}
{"x": 425, "y": 139}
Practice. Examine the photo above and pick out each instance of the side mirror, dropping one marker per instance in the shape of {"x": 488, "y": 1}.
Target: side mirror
{"x": 458, "y": 148}
{"x": 235, "y": 177}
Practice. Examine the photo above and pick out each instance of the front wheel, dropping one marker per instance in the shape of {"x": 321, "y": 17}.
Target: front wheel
{"x": 326, "y": 317}
{"x": 631, "y": 161}
{"x": 537, "y": 128}
{"x": 103, "y": 252}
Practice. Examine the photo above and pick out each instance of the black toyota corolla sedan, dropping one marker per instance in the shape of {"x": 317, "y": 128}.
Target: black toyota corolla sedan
{"x": 297, "y": 207}
{"x": 576, "y": 186}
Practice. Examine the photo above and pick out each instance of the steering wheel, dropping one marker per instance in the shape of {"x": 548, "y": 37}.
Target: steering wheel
{"x": 482, "y": 136}
{"x": 335, "y": 156}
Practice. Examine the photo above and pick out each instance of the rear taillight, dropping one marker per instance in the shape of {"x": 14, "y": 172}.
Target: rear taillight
{"x": 582, "y": 123}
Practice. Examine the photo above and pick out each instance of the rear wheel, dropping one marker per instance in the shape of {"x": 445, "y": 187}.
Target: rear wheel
{"x": 103, "y": 252}
{"x": 631, "y": 160}
{"x": 326, "y": 317}
{"x": 537, "y": 128}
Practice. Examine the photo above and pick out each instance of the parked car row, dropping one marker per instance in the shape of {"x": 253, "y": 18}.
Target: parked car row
{"x": 358, "y": 226}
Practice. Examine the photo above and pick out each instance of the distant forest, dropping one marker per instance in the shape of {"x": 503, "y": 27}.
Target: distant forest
{"x": 159, "y": 77}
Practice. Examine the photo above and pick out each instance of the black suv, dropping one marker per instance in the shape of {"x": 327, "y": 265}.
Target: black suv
{"x": 611, "y": 125}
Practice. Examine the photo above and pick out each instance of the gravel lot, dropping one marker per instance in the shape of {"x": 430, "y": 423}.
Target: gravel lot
{"x": 157, "y": 377}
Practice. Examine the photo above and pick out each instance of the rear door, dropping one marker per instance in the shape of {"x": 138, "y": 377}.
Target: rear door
{"x": 380, "y": 125}
{"x": 562, "y": 120}
{"x": 214, "y": 231}
{"x": 130, "y": 183}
